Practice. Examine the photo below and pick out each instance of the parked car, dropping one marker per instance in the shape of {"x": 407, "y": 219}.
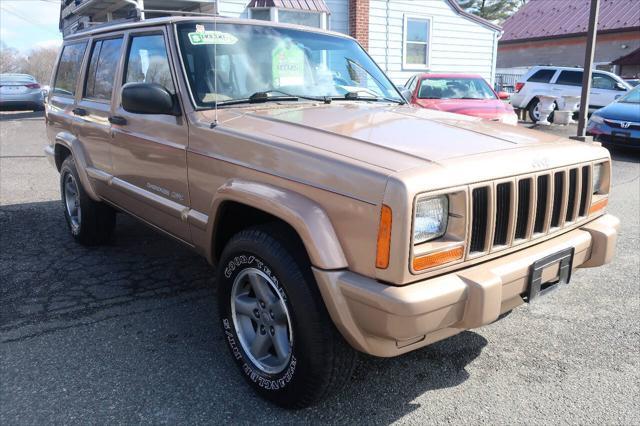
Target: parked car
{"x": 20, "y": 92}
{"x": 467, "y": 94}
{"x": 618, "y": 123}
{"x": 340, "y": 219}
{"x": 633, "y": 82}
{"x": 606, "y": 87}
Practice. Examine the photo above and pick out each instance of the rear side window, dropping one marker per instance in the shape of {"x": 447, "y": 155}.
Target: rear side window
{"x": 68, "y": 69}
{"x": 542, "y": 76}
{"x": 102, "y": 68}
{"x": 148, "y": 62}
{"x": 570, "y": 78}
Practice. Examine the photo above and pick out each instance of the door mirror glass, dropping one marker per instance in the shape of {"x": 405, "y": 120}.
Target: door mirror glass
{"x": 148, "y": 98}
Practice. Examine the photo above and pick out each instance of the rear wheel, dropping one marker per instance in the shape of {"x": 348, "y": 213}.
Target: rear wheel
{"x": 275, "y": 323}
{"x": 90, "y": 222}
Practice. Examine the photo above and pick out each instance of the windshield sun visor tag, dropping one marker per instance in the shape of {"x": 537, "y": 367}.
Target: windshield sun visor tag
{"x": 212, "y": 37}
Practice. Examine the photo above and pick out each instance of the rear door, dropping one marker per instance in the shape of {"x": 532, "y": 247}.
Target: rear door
{"x": 94, "y": 108}
{"x": 62, "y": 96}
{"x": 568, "y": 83}
{"x": 149, "y": 150}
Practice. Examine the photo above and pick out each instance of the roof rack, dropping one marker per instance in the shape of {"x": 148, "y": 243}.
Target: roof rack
{"x": 138, "y": 14}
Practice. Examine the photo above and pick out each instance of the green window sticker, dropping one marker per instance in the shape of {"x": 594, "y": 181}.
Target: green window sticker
{"x": 288, "y": 65}
{"x": 212, "y": 37}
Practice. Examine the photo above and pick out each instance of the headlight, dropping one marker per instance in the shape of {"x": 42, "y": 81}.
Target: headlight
{"x": 431, "y": 218}
{"x": 596, "y": 119}
{"x": 596, "y": 178}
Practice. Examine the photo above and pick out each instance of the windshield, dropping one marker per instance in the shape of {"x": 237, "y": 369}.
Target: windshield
{"x": 455, "y": 88}
{"x": 633, "y": 97}
{"x": 237, "y": 61}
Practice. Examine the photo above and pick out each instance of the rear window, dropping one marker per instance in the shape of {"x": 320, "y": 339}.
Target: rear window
{"x": 542, "y": 76}
{"x": 68, "y": 69}
{"x": 570, "y": 78}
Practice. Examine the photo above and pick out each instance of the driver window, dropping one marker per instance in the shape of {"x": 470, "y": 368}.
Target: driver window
{"x": 148, "y": 63}
{"x": 601, "y": 81}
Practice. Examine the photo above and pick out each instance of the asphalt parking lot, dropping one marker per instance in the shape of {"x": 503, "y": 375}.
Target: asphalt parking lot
{"x": 127, "y": 333}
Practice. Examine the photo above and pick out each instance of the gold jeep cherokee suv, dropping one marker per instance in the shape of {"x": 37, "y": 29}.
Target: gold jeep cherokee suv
{"x": 340, "y": 219}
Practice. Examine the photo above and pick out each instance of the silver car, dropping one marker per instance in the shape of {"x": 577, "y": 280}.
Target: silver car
{"x": 20, "y": 92}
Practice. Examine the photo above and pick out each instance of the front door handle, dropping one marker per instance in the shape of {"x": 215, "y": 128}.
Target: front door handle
{"x": 116, "y": 119}
{"x": 79, "y": 111}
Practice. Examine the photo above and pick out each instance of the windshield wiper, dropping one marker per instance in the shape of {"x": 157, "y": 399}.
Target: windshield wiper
{"x": 354, "y": 96}
{"x": 260, "y": 97}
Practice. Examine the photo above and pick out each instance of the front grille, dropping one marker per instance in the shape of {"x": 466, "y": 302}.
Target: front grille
{"x": 629, "y": 125}
{"x": 526, "y": 207}
{"x": 541, "y": 203}
{"x": 503, "y": 213}
{"x": 558, "y": 196}
{"x": 571, "y": 201}
{"x": 480, "y": 212}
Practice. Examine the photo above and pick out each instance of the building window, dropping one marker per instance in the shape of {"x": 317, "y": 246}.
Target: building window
{"x": 289, "y": 16}
{"x": 416, "y": 40}
{"x": 261, "y": 14}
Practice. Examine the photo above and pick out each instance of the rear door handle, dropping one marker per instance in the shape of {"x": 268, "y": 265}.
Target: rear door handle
{"x": 79, "y": 111}
{"x": 116, "y": 119}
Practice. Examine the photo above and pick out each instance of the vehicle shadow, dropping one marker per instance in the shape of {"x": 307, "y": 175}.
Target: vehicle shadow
{"x": 19, "y": 115}
{"x": 626, "y": 155}
{"x": 150, "y": 304}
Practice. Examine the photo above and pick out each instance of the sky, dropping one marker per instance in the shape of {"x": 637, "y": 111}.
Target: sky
{"x": 25, "y": 24}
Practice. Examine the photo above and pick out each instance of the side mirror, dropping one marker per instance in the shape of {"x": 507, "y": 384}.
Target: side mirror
{"x": 621, "y": 86}
{"x": 148, "y": 98}
{"x": 504, "y": 96}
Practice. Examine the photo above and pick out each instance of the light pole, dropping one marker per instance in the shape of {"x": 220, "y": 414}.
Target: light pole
{"x": 588, "y": 63}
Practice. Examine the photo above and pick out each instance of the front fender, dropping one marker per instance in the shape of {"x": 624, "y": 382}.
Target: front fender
{"x": 305, "y": 216}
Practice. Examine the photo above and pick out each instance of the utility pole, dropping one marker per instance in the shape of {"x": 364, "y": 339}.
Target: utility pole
{"x": 588, "y": 63}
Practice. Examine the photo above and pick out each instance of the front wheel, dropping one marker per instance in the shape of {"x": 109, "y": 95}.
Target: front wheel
{"x": 275, "y": 323}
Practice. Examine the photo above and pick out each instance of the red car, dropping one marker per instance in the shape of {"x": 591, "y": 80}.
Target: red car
{"x": 467, "y": 94}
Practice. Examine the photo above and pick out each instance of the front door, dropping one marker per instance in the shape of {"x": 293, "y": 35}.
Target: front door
{"x": 149, "y": 150}
{"x": 604, "y": 90}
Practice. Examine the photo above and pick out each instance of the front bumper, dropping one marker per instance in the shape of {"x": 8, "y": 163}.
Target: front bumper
{"x": 608, "y": 135}
{"x": 386, "y": 320}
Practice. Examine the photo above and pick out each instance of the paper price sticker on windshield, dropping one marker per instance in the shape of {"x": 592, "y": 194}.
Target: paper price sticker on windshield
{"x": 288, "y": 66}
{"x": 212, "y": 37}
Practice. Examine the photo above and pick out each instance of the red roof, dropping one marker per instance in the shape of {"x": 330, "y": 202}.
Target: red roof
{"x": 540, "y": 19}
{"x": 311, "y": 5}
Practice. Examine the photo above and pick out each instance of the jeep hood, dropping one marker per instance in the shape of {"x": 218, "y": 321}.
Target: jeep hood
{"x": 392, "y": 137}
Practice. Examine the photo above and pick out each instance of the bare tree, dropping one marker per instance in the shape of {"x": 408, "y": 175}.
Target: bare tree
{"x": 11, "y": 61}
{"x": 40, "y": 63}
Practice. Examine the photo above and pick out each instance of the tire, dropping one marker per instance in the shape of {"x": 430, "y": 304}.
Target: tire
{"x": 313, "y": 359}
{"x": 90, "y": 222}
{"x": 533, "y": 113}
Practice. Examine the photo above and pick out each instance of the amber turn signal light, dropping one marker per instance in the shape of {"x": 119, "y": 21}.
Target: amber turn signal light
{"x": 598, "y": 205}
{"x": 384, "y": 238}
{"x": 434, "y": 259}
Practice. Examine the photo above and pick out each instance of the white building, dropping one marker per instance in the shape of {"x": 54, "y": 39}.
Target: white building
{"x": 403, "y": 36}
